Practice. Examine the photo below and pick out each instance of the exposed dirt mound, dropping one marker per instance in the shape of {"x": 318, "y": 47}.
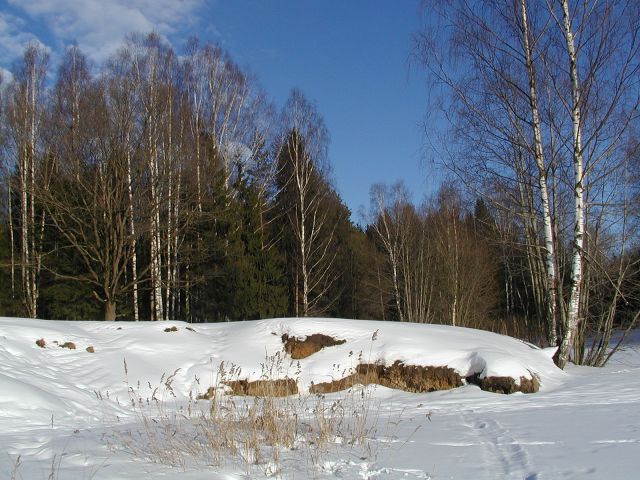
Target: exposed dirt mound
{"x": 264, "y": 388}
{"x": 208, "y": 395}
{"x": 410, "y": 378}
{"x": 506, "y": 385}
{"x": 303, "y": 348}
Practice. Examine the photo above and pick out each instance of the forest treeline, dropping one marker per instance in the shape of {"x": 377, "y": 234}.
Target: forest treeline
{"x": 161, "y": 186}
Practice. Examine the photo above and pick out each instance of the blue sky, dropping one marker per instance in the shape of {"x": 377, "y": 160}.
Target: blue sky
{"x": 350, "y": 57}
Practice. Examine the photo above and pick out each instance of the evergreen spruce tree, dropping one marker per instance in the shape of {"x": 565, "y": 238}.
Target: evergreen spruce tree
{"x": 262, "y": 266}
{"x": 241, "y": 278}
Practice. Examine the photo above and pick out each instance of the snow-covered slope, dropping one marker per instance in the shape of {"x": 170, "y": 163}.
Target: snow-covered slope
{"x": 66, "y": 379}
{"x": 54, "y": 405}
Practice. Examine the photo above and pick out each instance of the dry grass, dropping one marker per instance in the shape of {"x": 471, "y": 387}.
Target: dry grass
{"x": 303, "y": 348}
{"x": 264, "y": 433}
{"x": 506, "y": 385}
{"x": 263, "y": 388}
{"x": 41, "y": 343}
{"x": 409, "y": 378}
{"x": 17, "y": 463}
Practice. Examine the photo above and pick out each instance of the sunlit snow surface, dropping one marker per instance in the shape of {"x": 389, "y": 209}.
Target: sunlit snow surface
{"x": 59, "y": 408}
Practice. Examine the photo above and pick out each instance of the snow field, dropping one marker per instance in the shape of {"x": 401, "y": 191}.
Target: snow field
{"x": 69, "y": 411}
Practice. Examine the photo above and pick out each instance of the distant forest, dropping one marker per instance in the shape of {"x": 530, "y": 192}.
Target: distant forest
{"x": 158, "y": 186}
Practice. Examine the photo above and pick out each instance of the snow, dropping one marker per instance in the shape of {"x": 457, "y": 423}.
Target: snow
{"x": 66, "y": 411}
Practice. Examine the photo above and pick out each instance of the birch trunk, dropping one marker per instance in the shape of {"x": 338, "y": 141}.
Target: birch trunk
{"x": 550, "y": 260}
{"x": 574, "y": 313}
{"x": 31, "y": 188}
{"x": 24, "y": 235}
{"x": 391, "y": 245}
{"x": 12, "y": 242}
{"x": 169, "y": 160}
{"x": 24, "y": 121}
{"x": 305, "y": 207}
{"x": 132, "y": 232}
{"x": 155, "y": 253}
{"x": 303, "y": 247}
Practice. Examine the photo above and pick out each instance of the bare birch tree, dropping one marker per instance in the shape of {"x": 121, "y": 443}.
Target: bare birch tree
{"x": 386, "y": 208}
{"x": 437, "y": 268}
{"x": 25, "y": 117}
{"x": 151, "y": 66}
{"x": 121, "y": 99}
{"x": 598, "y": 92}
{"x": 463, "y": 274}
{"x": 572, "y": 65}
{"x": 303, "y": 190}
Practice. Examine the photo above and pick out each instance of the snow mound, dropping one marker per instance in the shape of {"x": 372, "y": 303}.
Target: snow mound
{"x": 467, "y": 351}
{"x": 51, "y": 379}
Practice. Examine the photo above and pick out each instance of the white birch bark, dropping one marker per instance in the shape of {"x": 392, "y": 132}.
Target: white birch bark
{"x": 391, "y": 241}
{"x": 574, "y": 314}
{"x": 315, "y": 260}
{"x": 156, "y": 246}
{"x": 148, "y": 82}
{"x": 24, "y": 120}
{"x": 132, "y": 231}
{"x": 25, "y": 242}
{"x": 302, "y": 150}
{"x": 550, "y": 260}
{"x": 12, "y": 243}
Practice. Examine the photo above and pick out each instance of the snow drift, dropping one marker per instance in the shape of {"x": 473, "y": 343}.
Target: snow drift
{"x": 250, "y": 348}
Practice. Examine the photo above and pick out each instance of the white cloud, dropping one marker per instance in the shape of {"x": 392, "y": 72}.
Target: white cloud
{"x": 13, "y": 37}
{"x": 99, "y": 26}
{"x": 7, "y": 77}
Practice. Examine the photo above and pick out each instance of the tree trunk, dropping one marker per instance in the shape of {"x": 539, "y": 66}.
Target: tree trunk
{"x": 550, "y": 261}
{"x": 13, "y": 242}
{"x": 574, "y": 313}
{"x": 110, "y": 310}
{"x": 132, "y": 232}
